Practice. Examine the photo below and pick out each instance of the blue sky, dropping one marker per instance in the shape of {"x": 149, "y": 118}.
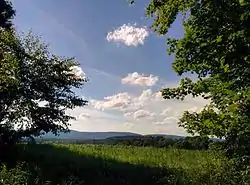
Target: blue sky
{"x": 79, "y": 28}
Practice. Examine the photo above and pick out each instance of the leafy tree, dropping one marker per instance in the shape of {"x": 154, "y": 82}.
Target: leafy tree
{"x": 36, "y": 87}
{"x": 6, "y": 14}
{"x": 191, "y": 143}
{"x": 215, "y": 47}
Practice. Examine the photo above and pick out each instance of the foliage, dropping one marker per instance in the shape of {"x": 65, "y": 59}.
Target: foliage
{"x": 215, "y": 47}
{"x": 189, "y": 143}
{"x": 36, "y": 87}
{"x": 15, "y": 176}
{"x": 114, "y": 165}
{"x": 6, "y": 14}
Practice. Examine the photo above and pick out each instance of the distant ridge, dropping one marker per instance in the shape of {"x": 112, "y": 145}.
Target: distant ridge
{"x": 77, "y": 135}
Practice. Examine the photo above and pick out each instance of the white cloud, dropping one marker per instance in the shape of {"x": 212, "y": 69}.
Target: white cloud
{"x": 148, "y": 110}
{"x": 165, "y": 111}
{"x": 140, "y": 114}
{"x": 146, "y": 95}
{"x": 117, "y": 101}
{"x": 129, "y": 35}
{"x": 144, "y": 112}
{"x": 140, "y": 79}
{"x": 92, "y": 120}
{"x": 101, "y": 121}
{"x": 169, "y": 120}
{"x": 77, "y": 72}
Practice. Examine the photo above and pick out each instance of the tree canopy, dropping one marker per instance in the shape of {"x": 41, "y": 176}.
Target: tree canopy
{"x": 215, "y": 47}
{"x": 36, "y": 86}
{"x": 6, "y": 14}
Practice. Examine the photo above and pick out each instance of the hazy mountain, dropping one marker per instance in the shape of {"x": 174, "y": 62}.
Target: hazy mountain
{"x": 76, "y": 135}
{"x": 143, "y": 136}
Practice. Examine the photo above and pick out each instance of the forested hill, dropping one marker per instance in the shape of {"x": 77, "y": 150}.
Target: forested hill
{"x": 77, "y": 135}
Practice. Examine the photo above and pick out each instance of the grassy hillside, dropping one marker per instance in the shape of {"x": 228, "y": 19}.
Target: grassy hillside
{"x": 114, "y": 165}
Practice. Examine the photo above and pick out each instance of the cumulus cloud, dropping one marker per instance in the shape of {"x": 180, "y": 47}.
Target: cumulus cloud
{"x": 140, "y": 79}
{"x": 117, "y": 101}
{"x": 77, "y": 72}
{"x": 151, "y": 110}
{"x": 124, "y": 101}
{"x": 143, "y": 114}
{"x": 146, "y": 95}
{"x": 93, "y": 120}
{"x": 140, "y": 114}
{"x": 129, "y": 35}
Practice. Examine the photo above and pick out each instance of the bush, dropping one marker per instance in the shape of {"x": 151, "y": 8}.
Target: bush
{"x": 15, "y": 176}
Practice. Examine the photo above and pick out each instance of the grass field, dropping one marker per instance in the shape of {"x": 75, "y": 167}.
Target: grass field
{"x": 114, "y": 165}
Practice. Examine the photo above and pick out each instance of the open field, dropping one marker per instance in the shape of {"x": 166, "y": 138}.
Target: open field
{"x": 114, "y": 165}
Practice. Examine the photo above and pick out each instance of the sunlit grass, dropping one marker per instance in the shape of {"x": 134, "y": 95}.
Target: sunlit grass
{"x": 155, "y": 157}
{"x": 117, "y": 164}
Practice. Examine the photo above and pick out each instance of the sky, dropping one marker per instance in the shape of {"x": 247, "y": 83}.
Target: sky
{"x": 125, "y": 62}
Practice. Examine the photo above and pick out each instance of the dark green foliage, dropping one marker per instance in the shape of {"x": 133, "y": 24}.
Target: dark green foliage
{"x": 195, "y": 143}
{"x": 36, "y": 86}
{"x": 190, "y": 143}
{"x": 215, "y": 47}
{"x": 6, "y": 14}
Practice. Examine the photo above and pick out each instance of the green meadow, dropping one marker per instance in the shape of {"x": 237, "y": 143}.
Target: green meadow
{"x": 72, "y": 164}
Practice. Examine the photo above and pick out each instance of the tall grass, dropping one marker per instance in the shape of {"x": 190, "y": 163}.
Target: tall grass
{"x": 107, "y": 164}
{"x": 153, "y": 157}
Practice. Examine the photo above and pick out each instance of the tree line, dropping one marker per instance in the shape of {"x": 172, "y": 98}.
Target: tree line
{"x": 189, "y": 143}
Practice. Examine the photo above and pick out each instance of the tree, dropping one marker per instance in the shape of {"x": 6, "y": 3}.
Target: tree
{"x": 6, "y": 14}
{"x": 36, "y": 87}
{"x": 215, "y": 47}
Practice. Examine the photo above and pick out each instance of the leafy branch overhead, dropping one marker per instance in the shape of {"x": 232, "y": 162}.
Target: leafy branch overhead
{"x": 6, "y": 14}
{"x": 215, "y": 47}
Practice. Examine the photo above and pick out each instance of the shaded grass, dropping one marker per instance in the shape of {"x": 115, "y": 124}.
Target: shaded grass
{"x": 114, "y": 165}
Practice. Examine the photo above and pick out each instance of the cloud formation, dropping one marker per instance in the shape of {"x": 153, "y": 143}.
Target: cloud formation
{"x": 149, "y": 109}
{"x": 92, "y": 120}
{"x": 129, "y": 35}
{"x": 140, "y": 79}
{"x": 78, "y": 72}
{"x": 142, "y": 111}
{"x": 117, "y": 101}
{"x": 139, "y": 114}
